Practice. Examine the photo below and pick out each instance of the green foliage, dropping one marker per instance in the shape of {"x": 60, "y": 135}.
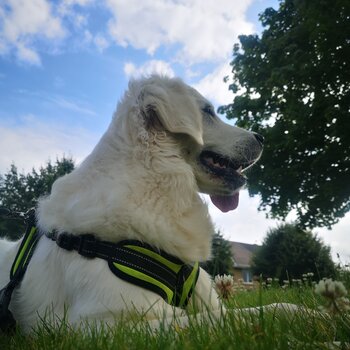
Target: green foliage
{"x": 294, "y": 89}
{"x": 20, "y": 192}
{"x": 221, "y": 261}
{"x": 289, "y": 251}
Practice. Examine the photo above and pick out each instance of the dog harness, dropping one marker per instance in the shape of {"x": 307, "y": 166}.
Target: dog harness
{"x": 133, "y": 261}
{"x": 138, "y": 263}
{"x": 19, "y": 266}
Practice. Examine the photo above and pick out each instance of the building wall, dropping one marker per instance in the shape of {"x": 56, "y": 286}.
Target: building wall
{"x": 243, "y": 274}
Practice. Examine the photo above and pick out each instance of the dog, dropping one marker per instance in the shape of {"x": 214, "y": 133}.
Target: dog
{"x": 164, "y": 146}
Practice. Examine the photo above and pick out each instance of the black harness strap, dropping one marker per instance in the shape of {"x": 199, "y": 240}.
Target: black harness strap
{"x": 138, "y": 263}
{"x": 18, "y": 269}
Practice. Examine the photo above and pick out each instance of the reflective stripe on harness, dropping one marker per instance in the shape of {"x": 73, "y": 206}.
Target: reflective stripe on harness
{"x": 18, "y": 269}
{"x": 138, "y": 263}
{"x": 157, "y": 271}
{"x": 25, "y": 252}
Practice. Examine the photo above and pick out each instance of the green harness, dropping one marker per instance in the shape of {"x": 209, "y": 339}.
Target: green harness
{"x": 138, "y": 263}
{"x": 155, "y": 270}
{"x": 18, "y": 269}
{"x": 133, "y": 261}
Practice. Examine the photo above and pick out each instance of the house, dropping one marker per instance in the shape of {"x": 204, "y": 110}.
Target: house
{"x": 242, "y": 254}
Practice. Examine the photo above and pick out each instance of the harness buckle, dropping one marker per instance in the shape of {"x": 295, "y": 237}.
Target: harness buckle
{"x": 65, "y": 241}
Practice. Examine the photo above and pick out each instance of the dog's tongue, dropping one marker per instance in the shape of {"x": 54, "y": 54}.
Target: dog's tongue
{"x": 226, "y": 203}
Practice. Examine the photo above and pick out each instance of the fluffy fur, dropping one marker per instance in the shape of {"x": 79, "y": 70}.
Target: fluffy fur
{"x": 140, "y": 182}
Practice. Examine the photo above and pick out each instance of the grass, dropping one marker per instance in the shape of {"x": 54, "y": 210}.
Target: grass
{"x": 268, "y": 330}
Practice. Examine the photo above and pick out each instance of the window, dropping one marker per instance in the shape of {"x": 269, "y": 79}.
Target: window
{"x": 247, "y": 276}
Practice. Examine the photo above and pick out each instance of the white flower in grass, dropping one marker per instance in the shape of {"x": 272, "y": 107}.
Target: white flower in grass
{"x": 331, "y": 289}
{"x": 344, "y": 304}
{"x": 224, "y": 285}
{"x": 335, "y": 293}
{"x": 286, "y": 283}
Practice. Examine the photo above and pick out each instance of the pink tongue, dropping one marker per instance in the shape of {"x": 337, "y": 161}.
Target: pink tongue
{"x": 226, "y": 203}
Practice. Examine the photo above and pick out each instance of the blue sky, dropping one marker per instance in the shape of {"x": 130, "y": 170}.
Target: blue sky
{"x": 64, "y": 64}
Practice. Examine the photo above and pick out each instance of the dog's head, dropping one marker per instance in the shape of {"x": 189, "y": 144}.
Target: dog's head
{"x": 218, "y": 153}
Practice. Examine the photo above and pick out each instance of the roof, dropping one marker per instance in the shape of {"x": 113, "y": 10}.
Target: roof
{"x": 242, "y": 254}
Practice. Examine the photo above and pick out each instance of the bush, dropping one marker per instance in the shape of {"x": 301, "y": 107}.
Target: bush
{"x": 289, "y": 252}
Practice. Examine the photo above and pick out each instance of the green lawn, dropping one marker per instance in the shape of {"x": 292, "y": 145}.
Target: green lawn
{"x": 269, "y": 330}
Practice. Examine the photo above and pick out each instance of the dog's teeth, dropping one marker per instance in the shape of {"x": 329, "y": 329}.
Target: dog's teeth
{"x": 220, "y": 164}
{"x": 216, "y": 161}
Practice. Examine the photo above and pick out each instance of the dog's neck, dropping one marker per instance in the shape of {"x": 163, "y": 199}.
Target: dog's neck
{"x": 132, "y": 194}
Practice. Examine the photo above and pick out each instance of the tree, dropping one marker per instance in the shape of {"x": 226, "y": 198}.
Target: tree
{"x": 221, "y": 261}
{"x": 20, "y": 192}
{"x": 294, "y": 89}
{"x": 289, "y": 251}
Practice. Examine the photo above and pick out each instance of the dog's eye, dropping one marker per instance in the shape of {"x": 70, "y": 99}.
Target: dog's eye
{"x": 209, "y": 110}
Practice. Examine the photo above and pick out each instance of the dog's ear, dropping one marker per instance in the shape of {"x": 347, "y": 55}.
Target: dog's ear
{"x": 172, "y": 106}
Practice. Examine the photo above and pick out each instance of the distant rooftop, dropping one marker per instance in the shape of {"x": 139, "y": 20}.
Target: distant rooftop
{"x": 242, "y": 254}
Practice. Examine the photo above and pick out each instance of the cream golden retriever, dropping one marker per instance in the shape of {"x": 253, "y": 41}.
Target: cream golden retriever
{"x": 165, "y": 144}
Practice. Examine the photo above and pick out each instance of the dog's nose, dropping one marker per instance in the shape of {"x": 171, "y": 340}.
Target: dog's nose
{"x": 259, "y": 138}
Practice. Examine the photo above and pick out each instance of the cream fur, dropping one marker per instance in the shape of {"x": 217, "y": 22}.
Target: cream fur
{"x": 140, "y": 182}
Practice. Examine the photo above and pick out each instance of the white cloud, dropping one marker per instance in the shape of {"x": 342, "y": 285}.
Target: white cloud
{"x": 77, "y": 2}
{"x": 98, "y": 40}
{"x": 213, "y": 87}
{"x": 27, "y": 54}
{"x": 88, "y": 37}
{"x": 79, "y": 20}
{"x": 101, "y": 42}
{"x": 31, "y": 17}
{"x": 203, "y": 30}
{"x": 66, "y": 6}
{"x": 24, "y": 20}
{"x": 198, "y": 31}
{"x": 75, "y": 106}
{"x": 148, "y": 68}
{"x": 33, "y": 143}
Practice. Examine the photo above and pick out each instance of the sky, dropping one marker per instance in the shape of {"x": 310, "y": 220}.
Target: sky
{"x": 64, "y": 64}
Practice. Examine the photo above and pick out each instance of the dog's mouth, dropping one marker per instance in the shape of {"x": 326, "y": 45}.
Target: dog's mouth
{"x": 229, "y": 172}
